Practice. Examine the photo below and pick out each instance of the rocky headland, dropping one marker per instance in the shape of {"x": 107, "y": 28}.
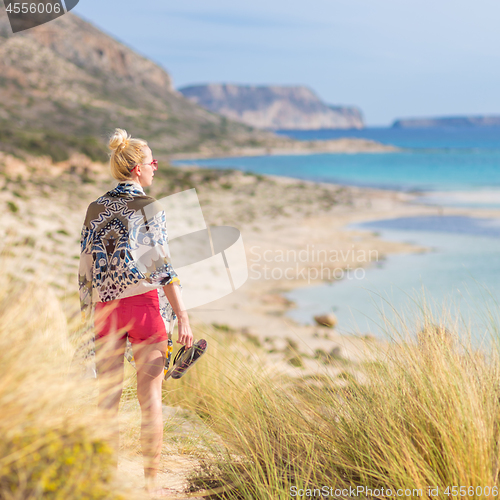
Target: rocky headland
{"x": 273, "y": 107}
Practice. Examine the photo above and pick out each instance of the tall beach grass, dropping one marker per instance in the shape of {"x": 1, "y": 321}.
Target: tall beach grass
{"x": 53, "y": 445}
{"x": 426, "y": 415}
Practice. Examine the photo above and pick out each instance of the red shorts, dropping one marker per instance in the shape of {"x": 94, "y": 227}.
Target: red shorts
{"x": 138, "y": 317}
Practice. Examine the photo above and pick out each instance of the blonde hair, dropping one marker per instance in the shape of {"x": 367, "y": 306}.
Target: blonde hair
{"x": 126, "y": 153}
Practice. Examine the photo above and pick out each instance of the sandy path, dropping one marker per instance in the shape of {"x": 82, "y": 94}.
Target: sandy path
{"x": 177, "y": 459}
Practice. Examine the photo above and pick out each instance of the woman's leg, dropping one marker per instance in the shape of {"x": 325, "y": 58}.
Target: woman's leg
{"x": 109, "y": 360}
{"x": 150, "y": 361}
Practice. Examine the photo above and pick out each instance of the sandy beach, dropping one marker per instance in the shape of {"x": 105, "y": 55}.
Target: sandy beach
{"x": 287, "y": 146}
{"x": 309, "y": 245}
{"x": 294, "y": 233}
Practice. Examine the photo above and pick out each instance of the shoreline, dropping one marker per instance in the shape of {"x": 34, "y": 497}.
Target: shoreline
{"x": 341, "y": 146}
{"x": 259, "y": 308}
{"x": 275, "y": 215}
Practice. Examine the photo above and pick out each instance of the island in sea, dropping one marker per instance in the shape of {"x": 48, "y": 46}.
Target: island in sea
{"x": 449, "y": 121}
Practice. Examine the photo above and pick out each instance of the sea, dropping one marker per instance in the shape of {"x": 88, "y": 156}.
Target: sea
{"x": 456, "y": 282}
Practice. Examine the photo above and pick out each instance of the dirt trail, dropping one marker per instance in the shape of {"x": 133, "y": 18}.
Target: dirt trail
{"x": 181, "y": 430}
{"x": 172, "y": 476}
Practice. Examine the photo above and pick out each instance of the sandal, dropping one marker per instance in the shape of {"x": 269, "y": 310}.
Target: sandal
{"x": 185, "y": 359}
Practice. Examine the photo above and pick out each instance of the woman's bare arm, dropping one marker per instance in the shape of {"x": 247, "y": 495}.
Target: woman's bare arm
{"x": 185, "y": 335}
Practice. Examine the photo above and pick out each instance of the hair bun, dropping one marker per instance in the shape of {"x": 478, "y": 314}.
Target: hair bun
{"x": 119, "y": 140}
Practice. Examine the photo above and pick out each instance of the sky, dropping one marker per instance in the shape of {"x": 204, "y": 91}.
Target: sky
{"x": 391, "y": 58}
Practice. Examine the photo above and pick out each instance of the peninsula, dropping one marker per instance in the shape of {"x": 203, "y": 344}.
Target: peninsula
{"x": 273, "y": 107}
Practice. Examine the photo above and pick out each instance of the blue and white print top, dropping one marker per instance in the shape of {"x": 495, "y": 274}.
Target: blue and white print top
{"x": 124, "y": 250}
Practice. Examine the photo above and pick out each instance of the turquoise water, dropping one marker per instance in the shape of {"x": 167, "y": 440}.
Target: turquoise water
{"x": 440, "y": 160}
{"x": 461, "y": 272}
{"x": 425, "y": 138}
{"x": 440, "y": 170}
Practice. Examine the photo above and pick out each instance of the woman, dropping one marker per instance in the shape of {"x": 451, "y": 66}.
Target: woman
{"x": 126, "y": 274}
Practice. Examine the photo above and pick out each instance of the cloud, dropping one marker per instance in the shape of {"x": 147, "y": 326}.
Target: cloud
{"x": 239, "y": 19}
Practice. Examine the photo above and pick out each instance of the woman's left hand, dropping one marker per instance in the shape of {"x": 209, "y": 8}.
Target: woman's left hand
{"x": 185, "y": 335}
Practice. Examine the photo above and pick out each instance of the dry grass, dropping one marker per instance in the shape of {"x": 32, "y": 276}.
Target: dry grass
{"x": 428, "y": 415}
{"x": 54, "y": 444}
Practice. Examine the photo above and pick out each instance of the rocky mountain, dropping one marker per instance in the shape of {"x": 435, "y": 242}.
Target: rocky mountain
{"x": 449, "y": 121}
{"x": 273, "y": 107}
{"x": 65, "y": 85}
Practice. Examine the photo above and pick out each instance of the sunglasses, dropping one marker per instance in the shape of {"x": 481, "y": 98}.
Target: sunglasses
{"x": 154, "y": 164}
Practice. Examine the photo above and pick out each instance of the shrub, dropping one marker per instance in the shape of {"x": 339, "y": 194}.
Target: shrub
{"x": 12, "y": 207}
{"x": 55, "y": 465}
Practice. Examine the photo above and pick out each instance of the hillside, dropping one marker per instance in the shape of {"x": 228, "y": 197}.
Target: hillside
{"x": 65, "y": 85}
{"x": 273, "y": 107}
{"x": 448, "y": 121}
